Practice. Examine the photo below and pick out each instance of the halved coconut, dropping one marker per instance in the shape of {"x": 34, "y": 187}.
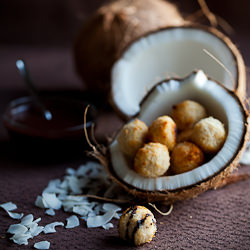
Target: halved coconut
{"x": 174, "y": 51}
{"x": 110, "y": 29}
{"x": 220, "y": 103}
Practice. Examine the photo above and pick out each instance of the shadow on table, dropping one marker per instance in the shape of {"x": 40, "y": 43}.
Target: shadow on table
{"x": 115, "y": 242}
{"x": 14, "y": 155}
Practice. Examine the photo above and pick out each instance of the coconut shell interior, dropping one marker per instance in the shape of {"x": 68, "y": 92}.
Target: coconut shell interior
{"x": 186, "y": 192}
{"x": 171, "y": 52}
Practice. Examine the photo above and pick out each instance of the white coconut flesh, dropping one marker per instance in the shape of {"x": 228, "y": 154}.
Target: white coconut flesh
{"x": 219, "y": 103}
{"x": 167, "y": 53}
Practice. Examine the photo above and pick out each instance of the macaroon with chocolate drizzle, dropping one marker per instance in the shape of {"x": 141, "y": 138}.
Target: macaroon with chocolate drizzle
{"x": 138, "y": 225}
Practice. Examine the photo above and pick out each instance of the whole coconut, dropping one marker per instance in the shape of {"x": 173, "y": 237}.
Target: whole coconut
{"x": 110, "y": 29}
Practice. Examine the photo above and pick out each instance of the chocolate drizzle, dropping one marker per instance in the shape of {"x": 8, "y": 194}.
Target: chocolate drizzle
{"x": 138, "y": 225}
{"x": 133, "y": 208}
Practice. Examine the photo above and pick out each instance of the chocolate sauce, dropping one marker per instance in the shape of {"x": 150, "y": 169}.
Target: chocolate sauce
{"x": 67, "y": 117}
{"x": 138, "y": 225}
{"x": 32, "y": 136}
{"x": 134, "y": 208}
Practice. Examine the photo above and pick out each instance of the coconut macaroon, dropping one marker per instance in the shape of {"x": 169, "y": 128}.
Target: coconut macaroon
{"x": 152, "y": 160}
{"x": 185, "y": 157}
{"x": 163, "y": 130}
{"x": 137, "y": 224}
{"x": 132, "y": 137}
{"x": 187, "y": 113}
{"x": 209, "y": 134}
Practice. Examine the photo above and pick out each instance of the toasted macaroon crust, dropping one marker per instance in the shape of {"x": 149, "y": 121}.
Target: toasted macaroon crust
{"x": 132, "y": 137}
{"x": 152, "y": 160}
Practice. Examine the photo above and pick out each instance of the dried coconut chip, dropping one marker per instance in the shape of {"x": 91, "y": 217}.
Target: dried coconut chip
{"x": 117, "y": 216}
{"x": 15, "y": 216}
{"x": 36, "y": 231}
{"x": 75, "y": 184}
{"x": 100, "y": 220}
{"x": 17, "y": 229}
{"x": 50, "y": 228}
{"x": 89, "y": 177}
{"x": 40, "y": 202}
{"x": 42, "y": 245}
{"x": 21, "y": 239}
{"x": 108, "y": 226}
{"x": 70, "y": 171}
{"x": 27, "y": 220}
{"x": 52, "y": 201}
{"x": 8, "y": 206}
{"x": 25, "y": 230}
{"x": 50, "y": 212}
{"x": 110, "y": 206}
{"x": 72, "y": 222}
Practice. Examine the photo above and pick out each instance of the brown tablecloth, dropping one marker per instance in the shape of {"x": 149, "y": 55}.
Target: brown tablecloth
{"x": 215, "y": 220}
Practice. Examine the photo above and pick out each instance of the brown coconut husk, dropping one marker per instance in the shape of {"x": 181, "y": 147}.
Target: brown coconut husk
{"x": 221, "y": 179}
{"x": 110, "y": 29}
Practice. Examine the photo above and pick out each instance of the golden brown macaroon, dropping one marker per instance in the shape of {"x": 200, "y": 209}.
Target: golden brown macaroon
{"x": 132, "y": 137}
{"x": 163, "y": 130}
{"x": 152, "y": 160}
{"x": 137, "y": 224}
{"x": 185, "y": 157}
{"x": 187, "y": 113}
{"x": 209, "y": 134}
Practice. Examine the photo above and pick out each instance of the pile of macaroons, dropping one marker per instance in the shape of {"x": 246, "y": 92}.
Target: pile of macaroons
{"x": 172, "y": 145}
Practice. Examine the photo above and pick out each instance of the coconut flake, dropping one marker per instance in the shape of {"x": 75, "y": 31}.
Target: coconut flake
{"x": 21, "y": 239}
{"x": 42, "y": 245}
{"x": 17, "y": 229}
{"x": 52, "y": 201}
{"x": 54, "y": 186}
{"x": 40, "y": 202}
{"x": 25, "y": 230}
{"x": 50, "y": 212}
{"x": 117, "y": 216}
{"x": 72, "y": 222}
{"x": 37, "y": 220}
{"x": 108, "y": 226}
{"x": 50, "y": 228}
{"x": 70, "y": 171}
{"x": 100, "y": 220}
{"x": 74, "y": 184}
{"x": 27, "y": 220}
{"x": 15, "y": 216}
{"x": 111, "y": 206}
{"x": 91, "y": 178}
{"x": 36, "y": 231}
{"x": 81, "y": 210}
{"x": 8, "y": 206}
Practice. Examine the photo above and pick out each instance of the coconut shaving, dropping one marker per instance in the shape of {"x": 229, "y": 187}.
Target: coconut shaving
{"x": 89, "y": 179}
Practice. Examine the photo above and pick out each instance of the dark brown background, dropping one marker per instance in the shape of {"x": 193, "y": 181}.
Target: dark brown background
{"x": 42, "y": 33}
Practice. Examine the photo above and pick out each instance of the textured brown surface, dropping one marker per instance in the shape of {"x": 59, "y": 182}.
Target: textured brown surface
{"x": 215, "y": 220}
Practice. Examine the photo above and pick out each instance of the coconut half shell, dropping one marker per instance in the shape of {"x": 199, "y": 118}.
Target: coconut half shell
{"x": 110, "y": 29}
{"x": 171, "y": 52}
{"x": 220, "y": 103}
